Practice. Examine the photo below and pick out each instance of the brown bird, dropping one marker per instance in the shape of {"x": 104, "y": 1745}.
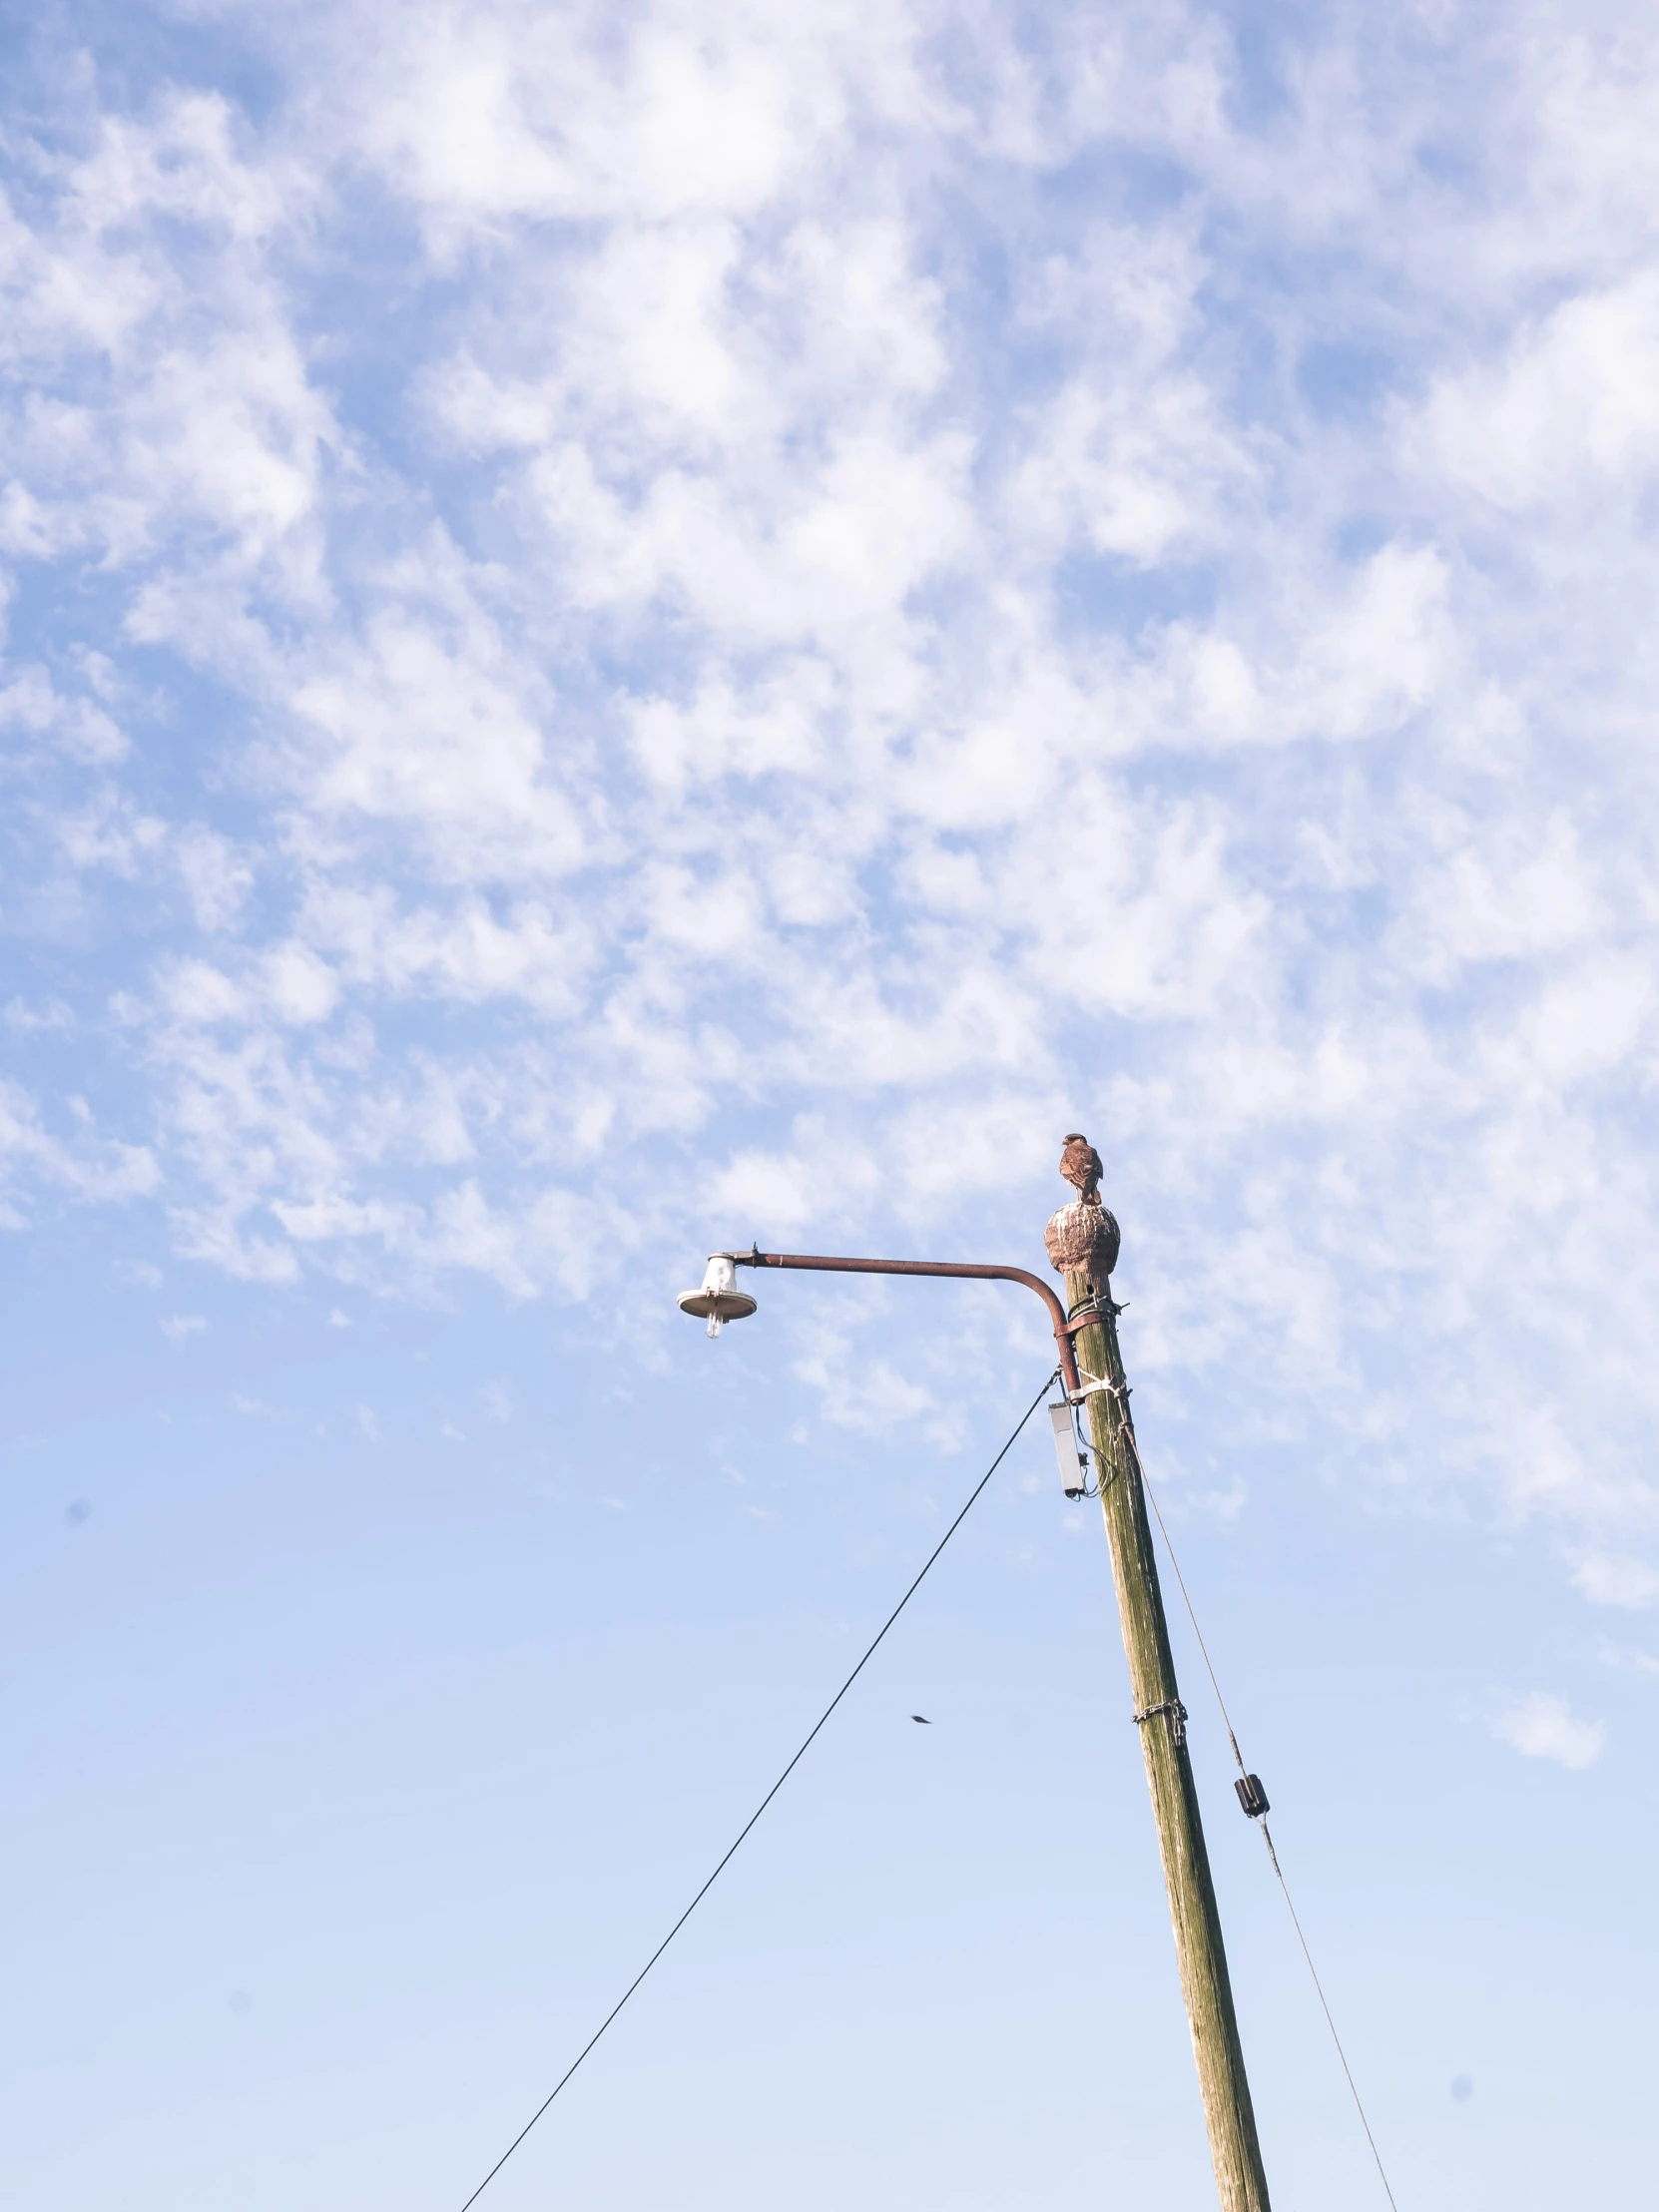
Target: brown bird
{"x": 1080, "y": 1165}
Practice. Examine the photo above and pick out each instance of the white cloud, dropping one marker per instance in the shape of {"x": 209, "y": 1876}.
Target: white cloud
{"x": 515, "y": 113}
{"x": 864, "y": 1392}
{"x": 53, "y": 1016}
{"x": 30, "y": 704}
{"x": 823, "y": 651}
{"x": 216, "y": 876}
{"x": 1570, "y": 413}
{"x": 1609, "y": 1579}
{"x": 1542, "y": 1726}
{"x": 89, "y": 1168}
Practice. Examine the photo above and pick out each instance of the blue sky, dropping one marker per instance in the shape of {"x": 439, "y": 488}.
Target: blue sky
{"x": 627, "y": 629}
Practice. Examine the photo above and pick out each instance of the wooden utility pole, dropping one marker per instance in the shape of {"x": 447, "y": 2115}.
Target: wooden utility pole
{"x": 1082, "y": 1240}
{"x": 1240, "y": 2180}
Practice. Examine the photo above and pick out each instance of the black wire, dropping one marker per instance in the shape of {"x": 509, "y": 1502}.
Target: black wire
{"x": 765, "y": 1802}
{"x": 1318, "y": 1990}
{"x": 1284, "y": 1886}
{"x": 1181, "y": 1583}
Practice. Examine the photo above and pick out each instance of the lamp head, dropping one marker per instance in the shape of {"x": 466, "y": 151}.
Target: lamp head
{"x": 719, "y": 1299}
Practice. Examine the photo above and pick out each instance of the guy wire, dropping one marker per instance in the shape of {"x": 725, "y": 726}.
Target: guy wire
{"x": 1318, "y": 1986}
{"x": 731, "y": 1851}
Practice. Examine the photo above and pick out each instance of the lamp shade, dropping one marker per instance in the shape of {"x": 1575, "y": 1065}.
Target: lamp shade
{"x": 719, "y": 1299}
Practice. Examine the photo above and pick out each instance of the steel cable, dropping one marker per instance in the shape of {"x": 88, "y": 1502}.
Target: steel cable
{"x": 743, "y": 1831}
{"x": 1318, "y": 1986}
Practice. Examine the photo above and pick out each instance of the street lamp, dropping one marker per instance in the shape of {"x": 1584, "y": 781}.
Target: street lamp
{"x": 1082, "y": 1244}
{"x": 717, "y": 1300}
{"x": 721, "y": 1301}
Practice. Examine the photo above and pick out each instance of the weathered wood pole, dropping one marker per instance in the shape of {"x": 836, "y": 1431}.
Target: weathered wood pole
{"x": 1240, "y": 2180}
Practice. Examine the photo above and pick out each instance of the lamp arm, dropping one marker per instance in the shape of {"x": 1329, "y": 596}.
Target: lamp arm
{"x": 1064, "y": 1329}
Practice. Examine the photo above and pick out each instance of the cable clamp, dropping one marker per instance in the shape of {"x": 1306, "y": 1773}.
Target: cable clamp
{"x": 1177, "y": 1717}
{"x": 1093, "y": 1384}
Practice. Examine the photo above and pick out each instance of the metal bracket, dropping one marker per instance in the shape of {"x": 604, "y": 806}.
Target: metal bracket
{"x": 1177, "y": 1717}
{"x": 1091, "y": 1315}
{"x": 1094, "y": 1384}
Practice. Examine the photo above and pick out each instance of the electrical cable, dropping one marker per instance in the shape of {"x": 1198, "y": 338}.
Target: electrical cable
{"x": 1319, "y": 1992}
{"x": 1318, "y": 1986}
{"x": 731, "y": 1851}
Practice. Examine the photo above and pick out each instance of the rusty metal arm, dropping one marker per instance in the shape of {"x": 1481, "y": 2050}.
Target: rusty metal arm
{"x": 1064, "y": 1331}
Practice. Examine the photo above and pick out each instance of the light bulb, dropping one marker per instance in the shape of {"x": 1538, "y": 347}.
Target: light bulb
{"x": 716, "y": 1324}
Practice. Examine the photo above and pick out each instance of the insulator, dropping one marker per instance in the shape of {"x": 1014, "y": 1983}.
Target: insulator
{"x": 1252, "y": 1796}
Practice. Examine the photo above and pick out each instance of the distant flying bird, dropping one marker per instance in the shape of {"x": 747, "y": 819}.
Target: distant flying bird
{"x": 922, "y": 1717}
{"x": 1080, "y": 1165}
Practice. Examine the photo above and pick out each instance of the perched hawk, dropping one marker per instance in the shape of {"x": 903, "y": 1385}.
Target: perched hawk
{"x": 1082, "y": 1237}
{"x": 1080, "y": 1165}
